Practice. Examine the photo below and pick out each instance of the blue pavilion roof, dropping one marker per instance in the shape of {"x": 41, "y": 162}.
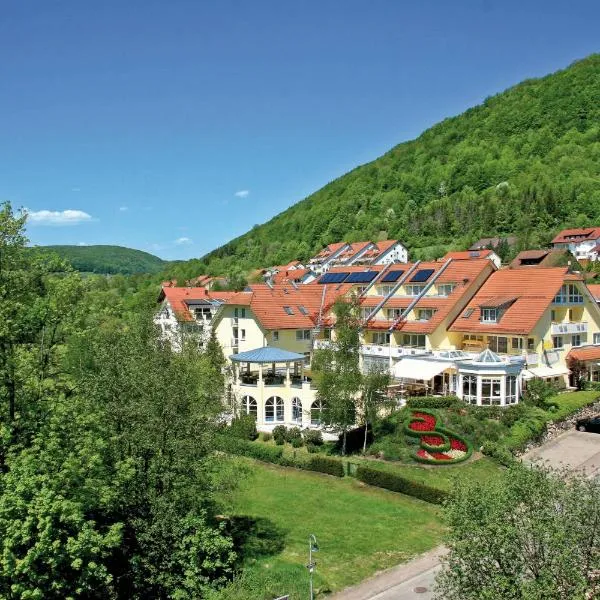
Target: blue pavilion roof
{"x": 267, "y": 354}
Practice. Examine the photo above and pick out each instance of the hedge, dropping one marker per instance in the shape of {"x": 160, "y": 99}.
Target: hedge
{"x": 274, "y": 454}
{"x": 326, "y": 464}
{"x": 432, "y": 402}
{"x": 397, "y": 483}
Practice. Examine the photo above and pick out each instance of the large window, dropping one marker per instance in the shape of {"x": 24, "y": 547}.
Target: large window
{"x": 424, "y": 314}
{"x": 302, "y": 334}
{"x": 557, "y": 342}
{"x": 381, "y": 337}
{"x": 490, "y": 391}
{"x": 316, "y": 412}
{"x": 511, "y": 389}
{"x": 576, "y": 339}
{"x": 597, "y": 338}
{"x": 413, "y": 290}
{"x": 489, "y": 315}
{"x": 498, "y": 344}
{"x": 469, "y": 390}
{"x": 384, "y": 290}
{"x": 569, "y": 294}
{"x": 393, "y": 313}
{"x": 296, "y": 410}
{"x": 250, "y": 407}
{"x": 274, "y": 409}
{"x": 445, "y": 289}
{"x": 413, "y": 340}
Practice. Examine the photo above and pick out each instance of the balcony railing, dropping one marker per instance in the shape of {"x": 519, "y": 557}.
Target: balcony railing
{"x": 561, "y": 328}
{"x": 386, "y": 351}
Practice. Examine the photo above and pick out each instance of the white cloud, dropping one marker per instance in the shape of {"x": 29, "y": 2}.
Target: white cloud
{"x": 57, "y": 217}
{"x": 242, "y": 194}
{"x": 123, "y": 208}
{"x": 183, "y": 240}
{"x": 82, "y": 244}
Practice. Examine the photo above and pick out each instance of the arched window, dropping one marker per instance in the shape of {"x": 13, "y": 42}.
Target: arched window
{"x": 316, "y": 412}
{"x": 274, "y": 409}
{"x": 250, "y": 406}
{"x": 296, "y": 410}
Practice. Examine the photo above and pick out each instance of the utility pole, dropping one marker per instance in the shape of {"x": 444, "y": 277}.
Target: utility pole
{"x": 312, "y": 547}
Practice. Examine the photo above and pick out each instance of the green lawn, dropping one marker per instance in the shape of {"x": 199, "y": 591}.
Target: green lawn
{"x": 360, "y": 530}
{"x": 571, "y": 402}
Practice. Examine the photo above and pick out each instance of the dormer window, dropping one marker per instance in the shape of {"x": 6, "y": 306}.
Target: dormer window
{"x": 569, "y": 294}
{"x": 489, "y": 315}
{"x": 413, "y": 290}
{"x": 288, "y": 310}
{"x": 445, "y": 289}
{"x": 424, "y": 314}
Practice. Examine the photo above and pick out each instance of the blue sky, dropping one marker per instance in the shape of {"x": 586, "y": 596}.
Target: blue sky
{"x": 175, "y": 126}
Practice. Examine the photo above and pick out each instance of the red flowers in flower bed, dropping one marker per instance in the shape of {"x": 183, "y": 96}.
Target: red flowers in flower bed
{"x": 432, "y": 440}
{"x": 457, "y": 445}
{"x": 428, "y": 420}
{"x": 423, "y": 453}
{"x": 441, "y": 456}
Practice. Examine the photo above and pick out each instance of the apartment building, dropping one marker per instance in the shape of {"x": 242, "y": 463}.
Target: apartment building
{"x": 583, "y": 243}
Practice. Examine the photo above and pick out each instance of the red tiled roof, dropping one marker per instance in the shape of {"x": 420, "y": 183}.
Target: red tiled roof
{"x": 533, "y": 289}
{"x": 384, "y": 246}
{"x": 594, "y": 290}
{"x": 462, "y": 273}
{"x": 293, "y": 275}
{"x": 468, "y": 254}
{"x": 585, "y": 353}
{"x": 179, "y": 296}
{"x": 577, "y": 235}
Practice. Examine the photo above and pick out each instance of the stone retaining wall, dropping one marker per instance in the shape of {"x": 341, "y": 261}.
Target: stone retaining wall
{"x": 554, "y": 429}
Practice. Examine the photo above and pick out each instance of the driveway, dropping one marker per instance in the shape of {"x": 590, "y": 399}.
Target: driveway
{"x": 574, "y": 450}
{"x": 410, "y": 581}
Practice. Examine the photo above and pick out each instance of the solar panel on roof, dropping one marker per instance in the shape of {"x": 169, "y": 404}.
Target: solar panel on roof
{"x": 392, "y": 276}
{"x": 361, "y": 277}
{"x": 333, "y": 277}
{"x": 422, "y": 275}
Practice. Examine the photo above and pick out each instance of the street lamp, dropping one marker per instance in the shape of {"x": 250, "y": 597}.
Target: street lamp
{"x": 313, "y": 546}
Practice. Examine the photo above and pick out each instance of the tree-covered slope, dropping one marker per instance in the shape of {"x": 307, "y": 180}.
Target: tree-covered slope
{"x": 108, "y": 259}
{"x": 526, "y": 161}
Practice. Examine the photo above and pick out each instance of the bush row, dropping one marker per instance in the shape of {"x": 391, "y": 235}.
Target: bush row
{"x": 397, "y": 483}
{"x": 274, "y": 454}
{"x": 433, "y": 402}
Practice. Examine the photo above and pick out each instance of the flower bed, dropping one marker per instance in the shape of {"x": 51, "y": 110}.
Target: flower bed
{"x": 438, "y": 445}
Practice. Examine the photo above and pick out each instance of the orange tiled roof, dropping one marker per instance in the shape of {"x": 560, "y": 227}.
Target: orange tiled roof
{"x": 594, "y": 290}
{"x": 585, "y": 353}
{"x": 384, "y": 246}
{"x": 468, "y": 254}
{"x": 178, "y": 297}
{"x": 577, "y": 235}
{"x": 533, "y": 290}
{"x": 462, "y": 273}
{"x": 293, "y": 275}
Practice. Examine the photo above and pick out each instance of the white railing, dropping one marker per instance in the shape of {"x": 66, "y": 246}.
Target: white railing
{"x": 560, "y": 328}
{"x": 386, "y": 351}
{"x": 322, "y": 344}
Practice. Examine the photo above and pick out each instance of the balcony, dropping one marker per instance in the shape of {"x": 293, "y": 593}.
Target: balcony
{"x": 566, "y": 328}
{"x": 322, "y": 344}
{"x": 385, "y": 350}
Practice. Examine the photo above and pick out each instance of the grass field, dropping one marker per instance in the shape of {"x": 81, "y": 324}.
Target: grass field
{"x": 360, "y": 530}
{"x": 571, "y": 402}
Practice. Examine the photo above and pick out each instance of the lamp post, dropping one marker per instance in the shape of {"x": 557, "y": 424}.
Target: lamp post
{"x": 312, "y": 547}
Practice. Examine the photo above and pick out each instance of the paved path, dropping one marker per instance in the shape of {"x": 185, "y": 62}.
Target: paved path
{"x": 573, "y": 449}
{"x": 410, "y": 581}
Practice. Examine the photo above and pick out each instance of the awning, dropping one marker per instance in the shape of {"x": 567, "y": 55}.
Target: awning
{"x": 545, "y": 372}
{"x": 420, "y": 369}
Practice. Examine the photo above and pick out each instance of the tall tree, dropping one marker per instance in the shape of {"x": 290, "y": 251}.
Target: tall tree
{"x": 337, "y": 370}
{"x": 530, "y": 534}
{"x": 373, "y": 398}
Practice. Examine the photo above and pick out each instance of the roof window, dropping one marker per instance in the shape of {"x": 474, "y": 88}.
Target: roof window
{"x": 288, "y": 310}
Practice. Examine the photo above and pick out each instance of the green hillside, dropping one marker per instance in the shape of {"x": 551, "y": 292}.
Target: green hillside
{"x": 526, "y": 161}
{"x": 108, "y": 259}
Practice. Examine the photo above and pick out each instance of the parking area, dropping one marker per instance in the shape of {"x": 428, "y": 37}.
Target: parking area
{"x": 573, "y": 449}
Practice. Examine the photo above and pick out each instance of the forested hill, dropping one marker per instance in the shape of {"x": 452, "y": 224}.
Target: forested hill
{"x": 108, "y": 259}
{"x": 526, "y": 161}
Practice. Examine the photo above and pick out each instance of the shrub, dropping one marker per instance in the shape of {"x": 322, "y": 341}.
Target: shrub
{"x": 266, "y": 437}
{"x": 525, "y": 430}
{"x": 498, "y": 452}
{"x": 311, "y": 448}
{"x": 250, "y": 449}
{"x": 398, "y": 483}
{"x": 244, "y": 427}
{"x": 433, "y": 402}
{"x": 280, "y": 434}
{"x": 292, "y": 434}
{"x": 512, "y": 414}
{"x": 538, "y": 393}
{"x": 390, "y": 449}
{"x": 297, "y": 442}
{"x": 325, "y": 464}
{"x": 313, "y": 436}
